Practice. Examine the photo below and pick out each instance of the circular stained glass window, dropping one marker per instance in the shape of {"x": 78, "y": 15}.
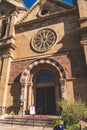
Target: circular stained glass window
{"x": 44, "y": 40}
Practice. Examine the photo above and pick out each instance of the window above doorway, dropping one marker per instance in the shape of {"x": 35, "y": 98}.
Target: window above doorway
{"x": 44, "y": 77}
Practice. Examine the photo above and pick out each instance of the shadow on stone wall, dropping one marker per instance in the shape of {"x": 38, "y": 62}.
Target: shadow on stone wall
{"x": 15, "y": 93}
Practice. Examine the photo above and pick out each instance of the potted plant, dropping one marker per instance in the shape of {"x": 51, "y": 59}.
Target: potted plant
{"x": 58, "y": 124}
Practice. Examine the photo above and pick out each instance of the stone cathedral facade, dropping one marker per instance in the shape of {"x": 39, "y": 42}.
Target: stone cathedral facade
{"x": 43, "y": 54}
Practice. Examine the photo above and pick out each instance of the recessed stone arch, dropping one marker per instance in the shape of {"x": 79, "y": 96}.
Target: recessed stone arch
{"x": 29, "y": 86}
{"x": 57, "y": 65}
{"x": 41, "y": 69}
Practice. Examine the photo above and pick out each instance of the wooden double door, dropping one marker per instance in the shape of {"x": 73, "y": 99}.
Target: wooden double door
{"x": 45, "y": 100}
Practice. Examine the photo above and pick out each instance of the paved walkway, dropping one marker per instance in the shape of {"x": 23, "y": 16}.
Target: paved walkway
{"x": 9, "y": 127}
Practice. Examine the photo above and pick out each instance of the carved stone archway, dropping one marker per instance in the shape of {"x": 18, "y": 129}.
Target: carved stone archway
{"x": 26, "y": 73}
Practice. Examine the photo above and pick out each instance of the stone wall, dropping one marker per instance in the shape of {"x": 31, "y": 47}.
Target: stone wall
{"x": 73, "y": 64}
{"x": 65, "y": 28}
{"x": 80, "y": 88}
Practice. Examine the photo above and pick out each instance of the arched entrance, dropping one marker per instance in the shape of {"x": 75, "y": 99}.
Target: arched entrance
{"x": 42, "y": 87}
{"x": 45, "y": 85}
{"x": 45, "y": 93}
{"x": 45, "y": 88}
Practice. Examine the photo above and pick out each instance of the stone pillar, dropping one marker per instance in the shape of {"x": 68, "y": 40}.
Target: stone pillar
{"x": 63, "y": 89}
{"x": 11, "y": 24}
{"x": 5, "y": 78}
{"x": 30, "y": 94}
{"x": 25, "y": 97}
{"x": 70, "y": 90}
{"x": 33, "y": 97}
{"x": 84, "y": 44}
{"x": 7, "y": 27}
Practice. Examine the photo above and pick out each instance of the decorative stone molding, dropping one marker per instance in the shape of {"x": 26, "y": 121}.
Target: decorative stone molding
{"x": 84, "y": 42}
{"x": 25, "y": 74}
{"x": 29, "y": 11}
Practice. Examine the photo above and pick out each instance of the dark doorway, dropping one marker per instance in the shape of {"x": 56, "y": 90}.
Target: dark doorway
{"x": 45, "y": 99}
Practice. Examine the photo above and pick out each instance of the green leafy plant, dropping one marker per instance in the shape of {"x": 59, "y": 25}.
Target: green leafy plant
{"x": 73, "y": 127}
{"x": 72, "y": 113}
{"x": 57, "y": 122}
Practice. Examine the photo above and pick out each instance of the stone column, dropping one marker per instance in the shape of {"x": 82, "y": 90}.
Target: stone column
{"x": 63, "y": 89}
{"x": 84, "y": 44}
{"x": 70, "y": 89}
{"x": 30, "y": 94}
{"x": 25, "y": 98}
{"x": 33, "y": 95}
{"x": 5, "y": 78}
{"x": 12, "y": 20}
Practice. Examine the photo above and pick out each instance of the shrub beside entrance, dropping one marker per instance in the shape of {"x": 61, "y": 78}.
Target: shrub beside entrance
{"x": 72, "y": 113}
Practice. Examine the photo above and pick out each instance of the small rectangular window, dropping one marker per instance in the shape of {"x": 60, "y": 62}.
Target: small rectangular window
{"x": 3, "y": 28}
{"x": 0, "y": 28}
{"x": 1, "y": 66}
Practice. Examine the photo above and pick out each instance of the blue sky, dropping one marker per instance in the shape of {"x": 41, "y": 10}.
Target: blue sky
{"x": 29, "y": 3}
{"x": 68, "y": 1}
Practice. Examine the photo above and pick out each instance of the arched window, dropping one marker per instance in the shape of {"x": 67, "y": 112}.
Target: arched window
{"x": 45, "y": 77}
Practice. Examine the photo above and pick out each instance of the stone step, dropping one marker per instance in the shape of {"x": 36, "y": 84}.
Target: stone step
{"x": 28, "y": 121}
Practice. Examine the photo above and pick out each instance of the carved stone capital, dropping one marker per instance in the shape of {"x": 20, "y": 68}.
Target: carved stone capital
{"x": 84, "y": 42}
{"x": 62, "y": 82}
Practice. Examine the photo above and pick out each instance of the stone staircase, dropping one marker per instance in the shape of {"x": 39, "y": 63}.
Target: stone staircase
{"x": 29, "y": 120}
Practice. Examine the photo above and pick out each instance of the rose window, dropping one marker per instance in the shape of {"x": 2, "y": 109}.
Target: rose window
{"x": 44, "y": 40}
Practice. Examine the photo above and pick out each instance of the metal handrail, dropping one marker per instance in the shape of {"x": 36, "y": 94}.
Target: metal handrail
{"x": 39, "y": 109}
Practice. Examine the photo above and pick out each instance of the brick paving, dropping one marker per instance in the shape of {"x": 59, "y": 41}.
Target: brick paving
{"x": 13, "y": 127}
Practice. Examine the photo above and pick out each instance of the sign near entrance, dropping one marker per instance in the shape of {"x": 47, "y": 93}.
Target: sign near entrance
{"x": 32, "y": 110}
